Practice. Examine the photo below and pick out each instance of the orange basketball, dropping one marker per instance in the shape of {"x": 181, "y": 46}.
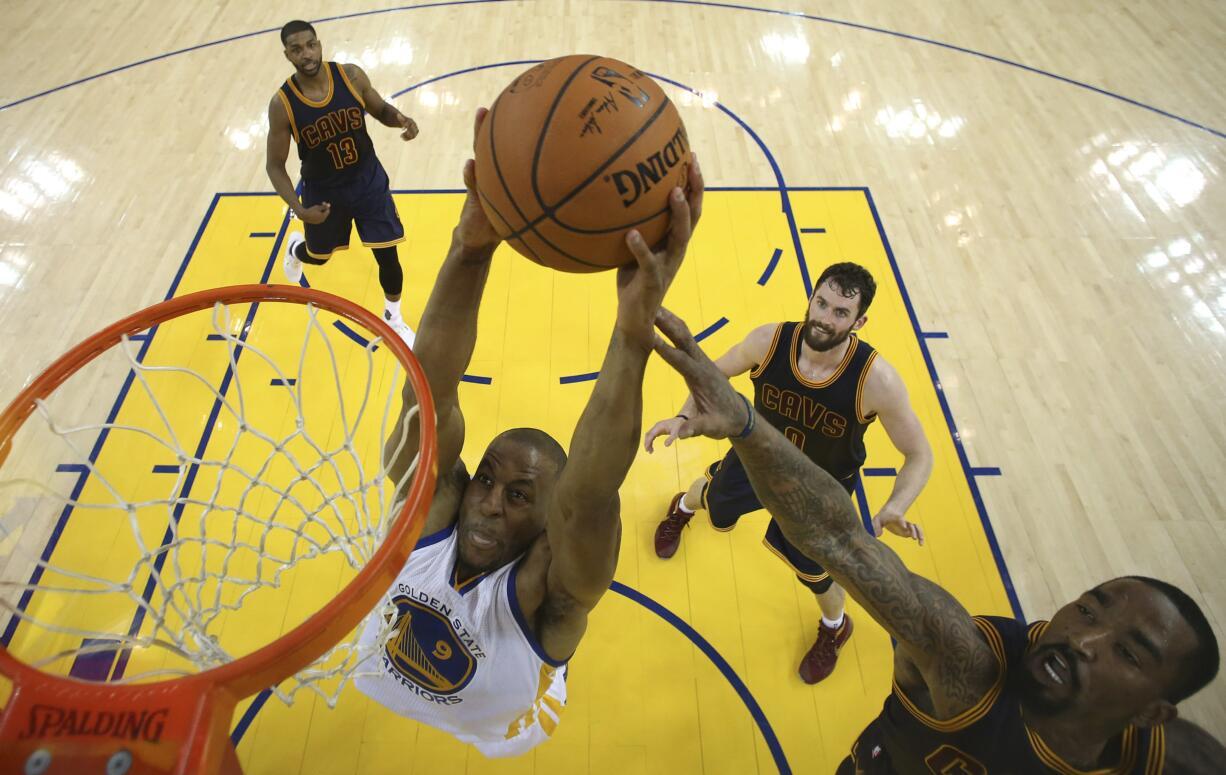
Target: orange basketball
{"x": 575, "y": 152}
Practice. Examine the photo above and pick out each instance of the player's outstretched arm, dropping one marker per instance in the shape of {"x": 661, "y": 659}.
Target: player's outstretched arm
{"x": 384, "y": 112}
{"x": 447, "y": 333}
{"x": 744, "y": 355}
{"x": 934, "y": 631}
{"x": 886, "y": 395}
{"x": 584, "y": 526}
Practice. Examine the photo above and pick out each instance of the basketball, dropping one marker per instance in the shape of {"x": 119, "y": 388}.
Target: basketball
{"x": 574, "y": 153}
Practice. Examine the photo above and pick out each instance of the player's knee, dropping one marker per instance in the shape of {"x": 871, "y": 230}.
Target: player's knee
{"x": 387, "y": 256}
{"x": 818, "y": 587}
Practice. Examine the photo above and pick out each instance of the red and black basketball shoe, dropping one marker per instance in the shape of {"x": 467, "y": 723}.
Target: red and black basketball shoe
{"x": 668, "y": 532}
{"x": 820, "y": 660}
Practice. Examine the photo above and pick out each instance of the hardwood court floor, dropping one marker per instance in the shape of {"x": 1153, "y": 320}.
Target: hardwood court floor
{"x": 1065, "y": 239}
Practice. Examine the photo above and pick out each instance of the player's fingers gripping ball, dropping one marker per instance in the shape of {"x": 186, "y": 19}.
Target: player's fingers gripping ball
{"x": 575, "y": 152}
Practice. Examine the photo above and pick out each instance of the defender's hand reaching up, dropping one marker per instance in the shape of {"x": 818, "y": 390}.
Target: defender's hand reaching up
{"x": 720, "y": 411}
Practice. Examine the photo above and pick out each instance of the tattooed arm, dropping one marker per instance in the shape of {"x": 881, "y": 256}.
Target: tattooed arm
{"x": 933, "y": 630}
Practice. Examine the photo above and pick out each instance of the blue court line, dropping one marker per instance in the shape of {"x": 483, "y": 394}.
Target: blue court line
{"x": 214, "y": 338}
{"x": 704, "y": 3}
{"x": 985, "y": 471}
{"x": 231, "y": 39}
{"x": 950, "y": 47}
{"x": 967, "y": 469}
{"x": 770, "y": 269}
{"x": 878, "y": 472}
{"x": 167, "y": 469}
{"x": 815, "y": 230}
{"x": 56, "y": 532}
{"x": 71, "y": 468}
{"x": 354, "y": 335}
{"x": 138, "y": 337}
{"x": 288, "y": 382}
{"x": 717, "y": 659}
{"x": 96, "y": 665}
{"x": 476, "y": 380}
{"x": 866, "y": 516}
{"x": 249, "y": 715}
{"x": 934, "y": 334}
{"x": 262, "y": 234}
{"x": 711, "y": 329}
{"x": 591, "y": 375}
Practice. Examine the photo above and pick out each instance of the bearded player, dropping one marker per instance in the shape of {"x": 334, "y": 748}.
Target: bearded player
{"x": 822, "y": 386}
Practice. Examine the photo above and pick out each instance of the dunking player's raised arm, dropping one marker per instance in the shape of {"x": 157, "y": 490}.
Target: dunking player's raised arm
{"x": 448, "y": 330}
{"x": 936, "y": 635}
{"x": 584, "y": 526}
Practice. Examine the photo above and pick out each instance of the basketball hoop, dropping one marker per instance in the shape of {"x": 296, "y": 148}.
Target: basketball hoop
{"x": 287, "y": 491}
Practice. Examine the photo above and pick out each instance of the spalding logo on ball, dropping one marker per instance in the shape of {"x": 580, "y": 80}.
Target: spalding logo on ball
{"x": 573, "y": 154}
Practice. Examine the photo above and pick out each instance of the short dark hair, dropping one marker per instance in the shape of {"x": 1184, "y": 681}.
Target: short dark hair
{"x": 1202, "y": 665}
{"x": 849, "y": 279}
{"x": 539, "y": 440}
{"x": 297, "y": 25}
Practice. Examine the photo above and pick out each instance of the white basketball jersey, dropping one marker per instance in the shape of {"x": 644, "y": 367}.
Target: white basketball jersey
{"x": 462, "y": 658}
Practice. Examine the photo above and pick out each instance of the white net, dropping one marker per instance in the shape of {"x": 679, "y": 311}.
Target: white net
{"x": 221, "y": 500}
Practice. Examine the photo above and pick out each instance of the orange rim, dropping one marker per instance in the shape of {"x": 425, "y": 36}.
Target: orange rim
{"x": 191, "y": 736}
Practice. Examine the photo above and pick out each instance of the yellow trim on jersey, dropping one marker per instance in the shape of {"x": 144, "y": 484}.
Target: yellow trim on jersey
{"x": 979, "y": 709}
{"x": 384, "y": 244}
{"x": 860, "y": 389}
{"x": 534, "y": 713}
{"x": 787, "y": 562}
{"x": 1128, "y": 756}
{"x": 1157, "y": 751}
{"x": 289, "y": 112}
{"x": 853, "y": 342}
{"x": 349, "y": 85}
{"x": 1036, "y": 631}
{"x": 326, "y": 256}
{"x": 327, "y": 97}
{"x": 770, "y": 353}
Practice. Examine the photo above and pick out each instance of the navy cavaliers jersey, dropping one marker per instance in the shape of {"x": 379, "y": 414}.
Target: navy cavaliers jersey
{"x": 990, "y": 738}
{"x": 331, "y": 134}
{"x": 823, "y": 418}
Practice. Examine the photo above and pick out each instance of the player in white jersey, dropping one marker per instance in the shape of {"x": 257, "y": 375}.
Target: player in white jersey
{"x": 495, "y": 597}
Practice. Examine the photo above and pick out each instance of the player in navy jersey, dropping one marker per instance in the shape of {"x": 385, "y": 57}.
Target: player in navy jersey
{"x": 323, "y": 106}
{"x": 822, "y": 386}
{"x": 1094, "y": 689}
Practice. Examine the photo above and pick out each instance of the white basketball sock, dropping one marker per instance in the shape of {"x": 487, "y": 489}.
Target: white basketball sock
{"x": 391, "y": 309}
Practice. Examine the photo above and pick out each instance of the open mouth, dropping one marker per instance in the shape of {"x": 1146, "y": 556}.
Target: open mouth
{"x": 481, "y": 541}
{"x": 1057, "y": 669}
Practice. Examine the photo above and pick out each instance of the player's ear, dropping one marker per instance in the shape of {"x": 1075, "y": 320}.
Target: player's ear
{"x": 1157, "y": 712}
{"x": 859, "y": 323}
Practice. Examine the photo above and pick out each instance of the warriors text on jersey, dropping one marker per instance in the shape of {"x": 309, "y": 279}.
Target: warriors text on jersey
{"x": 331, "y": 133}
{"x": 823, "y": 418}
{"x": 990, "y": 738}
{"x": 461, "y": 657}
